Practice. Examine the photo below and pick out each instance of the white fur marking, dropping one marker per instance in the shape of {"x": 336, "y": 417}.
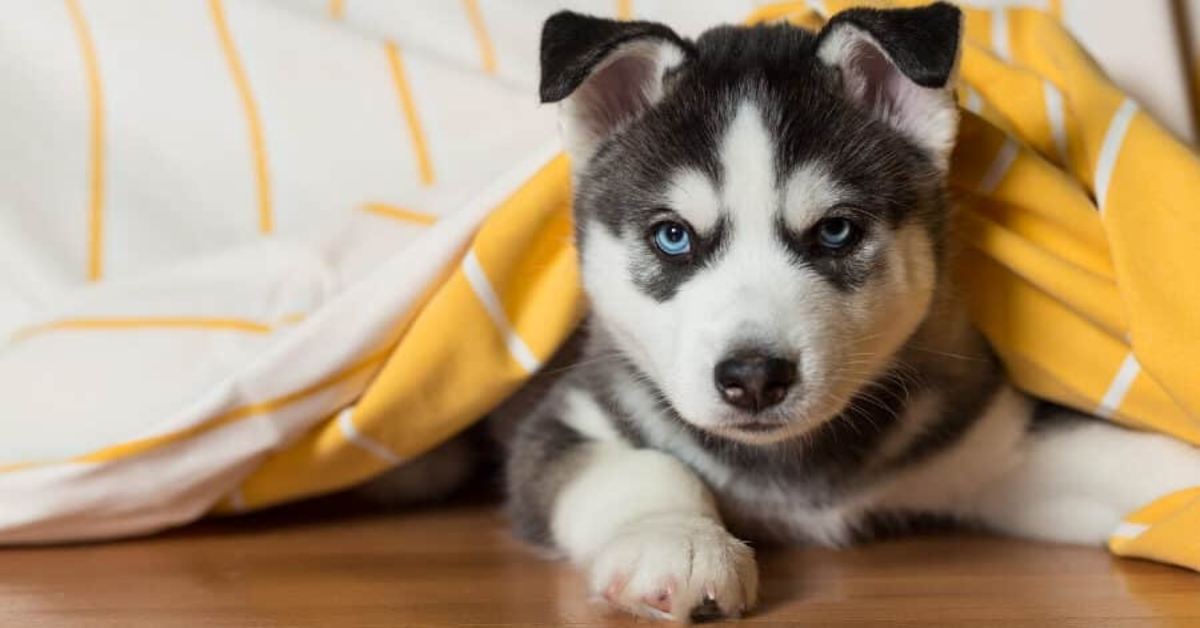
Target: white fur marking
{"x": 747, "y": 159}
{"x": 587, "y": 417}
{"x": 1119, "y": 387}
{"x": 491, "y": 303}
{"x": 668, "y": 436}
{"x": 739, "y": 299}
{"x": 692, "y": 195}
{"x": 810, "y": 191}
{"x": 617, "y": 486}
{"x": 641, "y": 327}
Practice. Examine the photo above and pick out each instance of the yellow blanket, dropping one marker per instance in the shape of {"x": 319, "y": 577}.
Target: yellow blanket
{"x": 1083, "y": 223}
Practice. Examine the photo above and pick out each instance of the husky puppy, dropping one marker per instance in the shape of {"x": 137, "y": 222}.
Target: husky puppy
{"x": 776, "y": 350}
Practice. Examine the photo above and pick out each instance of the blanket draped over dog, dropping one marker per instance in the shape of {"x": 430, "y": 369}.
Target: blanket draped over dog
{"x": 417, "y": 267}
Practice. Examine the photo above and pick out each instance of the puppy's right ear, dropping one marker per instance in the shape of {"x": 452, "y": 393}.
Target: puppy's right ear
{"x": 899, "y": 65}
{"x": 605, "y": 74}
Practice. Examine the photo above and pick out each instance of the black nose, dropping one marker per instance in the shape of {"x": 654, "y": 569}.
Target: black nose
{"x": 753, "y": 381}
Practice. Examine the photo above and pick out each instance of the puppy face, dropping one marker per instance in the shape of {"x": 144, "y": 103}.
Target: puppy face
{"x": 759, "y": 217}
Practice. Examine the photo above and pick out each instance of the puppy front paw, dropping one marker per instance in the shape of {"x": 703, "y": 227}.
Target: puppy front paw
{"x": 672, "y": 567}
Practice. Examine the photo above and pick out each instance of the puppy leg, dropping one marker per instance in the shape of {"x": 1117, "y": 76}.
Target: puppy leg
{"x": 642, "y": 524}
{"x": 648, "y": 532}
{"x": 1075, "y": 478}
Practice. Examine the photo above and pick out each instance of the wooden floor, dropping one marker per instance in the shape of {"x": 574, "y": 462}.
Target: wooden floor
{"x": 456, "y": 565}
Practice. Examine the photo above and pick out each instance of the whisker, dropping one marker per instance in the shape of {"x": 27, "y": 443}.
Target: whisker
{"x": 957, "y": 356}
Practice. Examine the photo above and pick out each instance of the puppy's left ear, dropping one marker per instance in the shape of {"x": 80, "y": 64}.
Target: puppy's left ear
{"x": 605, "y": 74}
{"x": 900, "y": 65}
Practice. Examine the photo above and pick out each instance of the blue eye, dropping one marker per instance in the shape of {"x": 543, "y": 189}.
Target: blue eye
{"x": 836, "y": 233}
{"x": 672, "y": 239}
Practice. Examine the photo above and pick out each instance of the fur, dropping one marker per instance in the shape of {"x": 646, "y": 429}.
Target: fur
{"x": 632, "y": 464}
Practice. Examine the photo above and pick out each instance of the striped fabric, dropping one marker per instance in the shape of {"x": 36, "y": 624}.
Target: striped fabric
{"x": 258, "y": 250}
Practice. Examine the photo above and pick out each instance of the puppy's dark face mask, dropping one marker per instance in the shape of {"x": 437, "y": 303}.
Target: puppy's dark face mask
{"x": 759, "y": 212}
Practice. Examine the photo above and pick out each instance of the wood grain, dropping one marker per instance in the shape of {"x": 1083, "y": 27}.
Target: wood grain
{"x": 334, "y": 565}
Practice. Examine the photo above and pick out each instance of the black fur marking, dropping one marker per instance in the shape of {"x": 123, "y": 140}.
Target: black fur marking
{"x": 886, "y": 525}
{"x": 544, "y": 461}
{"x": 887, "y": 178}
{"x": 573, "y": 45}
{"x": 974, "y": 392}
{"x": 922, "y": 42}
{"x": 661, "y": 278}
{"x": 846, "y": 270}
